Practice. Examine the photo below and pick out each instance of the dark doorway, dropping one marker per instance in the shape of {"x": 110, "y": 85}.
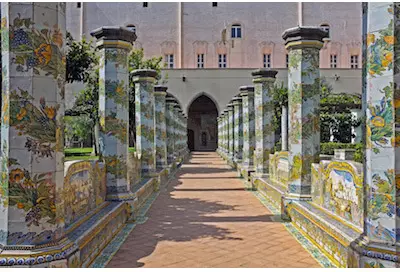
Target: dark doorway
{"x": 190, "y": 134}
{"x": 202, "y": 121}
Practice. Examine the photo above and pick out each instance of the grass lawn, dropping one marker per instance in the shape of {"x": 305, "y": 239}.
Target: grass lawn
{"x": 78, "y": 150}
{"x": 85, "y": 158}
{"x": 77, "y": 153}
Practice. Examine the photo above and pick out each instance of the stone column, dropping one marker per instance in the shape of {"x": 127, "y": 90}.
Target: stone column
{"x": 145, "y": 122}
{"x": 247, "y": 94}
{"x": 263, "y": 80}
{"x": 303, "y": 44}
{"x": 238, "y": 138}
{"x": 379, "y": 244}
{"x": 114, "y": 44}
{"x": 32, "y": 129}
{"x": 231, "y": 132}
{"x": 170, "y": 130}
{"x": 284, "y": 128}
{"x": 160, "y": 93}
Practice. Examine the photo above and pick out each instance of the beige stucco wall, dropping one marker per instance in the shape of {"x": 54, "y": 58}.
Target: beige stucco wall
{"x": 162, "y": 26}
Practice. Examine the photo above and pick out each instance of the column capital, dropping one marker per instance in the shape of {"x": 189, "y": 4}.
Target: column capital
{"x": 171, "y": 101}
{"x": 237, "y": 100}
{"x": 263, "y": 74}
{"x": 114, "y": 37}
{"x": 160, "y": 90}
{"x": 246, "y": 90}
{"x": 304, "y": 36}
{"x": 144, "y": 75}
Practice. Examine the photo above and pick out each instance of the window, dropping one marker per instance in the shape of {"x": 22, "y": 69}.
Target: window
{"x": 354, "y": 61}
{"x": 287, "y": 60}
{"x": 131, "y": 27}
{"x": 169, "y": 60}
{"x": 327, "y": 29}
{"x": 79, "y": 5}
{"x": 267, "y": 60}
{"x": 222, "y": 60}
{"x": 333, "y": 61}
{"x": 145, "y": 4}
{"x": 214, "y": 4}
{"x": 236, "y": 31}
{"x": 200, "y": 61}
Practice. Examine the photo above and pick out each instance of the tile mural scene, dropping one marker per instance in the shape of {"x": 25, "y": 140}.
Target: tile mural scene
{"x": 200, "y": 135}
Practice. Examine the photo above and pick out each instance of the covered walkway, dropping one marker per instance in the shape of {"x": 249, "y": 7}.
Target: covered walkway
{"x": 206, "y": 218}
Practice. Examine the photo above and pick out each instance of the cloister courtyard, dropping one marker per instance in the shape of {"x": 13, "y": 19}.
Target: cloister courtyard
{"x": 289, "y": 173}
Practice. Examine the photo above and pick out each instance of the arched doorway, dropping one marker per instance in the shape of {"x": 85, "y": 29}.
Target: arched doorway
{"x": 202, "y": 120}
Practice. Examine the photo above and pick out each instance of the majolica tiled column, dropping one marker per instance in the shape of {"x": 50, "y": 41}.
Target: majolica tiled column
{"x": 185, "y": 136}
{"x": 238, "y": 136}
{"x": 160, "y": 93}
{"x": 231, "y": 132}
{"x": 228, "y": 143}
{"x": 180, "y": 126}
{"x": 303, "y": 44}
{"x": 263, "y": 81}
{"x": 170, "y": 130}
{"x": 284, "y": 128}
{"x": 32, "y": 127}
{"x": 247, "y": 94}
{"x": 176, "y": 131}
{"x": 380, "y": 245}
{"x": 114, "y": 44}
{"x": 222, "y": 123}
{"x": 145, "y": 121}
{"x": 218, "y": 134}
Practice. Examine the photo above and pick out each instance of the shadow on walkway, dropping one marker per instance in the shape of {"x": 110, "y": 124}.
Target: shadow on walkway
{"x": 182, "y": 213}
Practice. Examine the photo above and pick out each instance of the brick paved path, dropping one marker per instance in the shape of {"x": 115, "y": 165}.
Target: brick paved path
{"x": 205, "y": 218}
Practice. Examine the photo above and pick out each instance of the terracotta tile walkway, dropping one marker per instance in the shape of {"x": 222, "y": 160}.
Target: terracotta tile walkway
{"x": 205, "y": 218}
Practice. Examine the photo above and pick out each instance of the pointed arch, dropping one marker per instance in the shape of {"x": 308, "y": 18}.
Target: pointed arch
{"x": 197, "y": 96}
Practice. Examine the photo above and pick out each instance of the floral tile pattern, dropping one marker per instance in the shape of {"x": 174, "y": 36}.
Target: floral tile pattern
{"x": 304, "y": 132}
{"x": 382, "y": 126}
{"x": 231, "y": 131}
{"x": 161, "y": 129}
{"x": 33, "y": 73}
{"x": 238, "y": 135}
{"x": 113, "y": 109}
{"x": 248, "y": 127}
{"x": 264, "y": 131}
{"x": 170, "y": 130}
{"x": 145, "y": 129}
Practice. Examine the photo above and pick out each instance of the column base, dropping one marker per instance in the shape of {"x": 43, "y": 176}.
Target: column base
{"x": 366, "y": 254}
{"x": 81, "y": 245}
{"x": 245, "y": 170}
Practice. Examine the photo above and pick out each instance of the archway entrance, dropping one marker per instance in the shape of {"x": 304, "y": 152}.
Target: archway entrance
{"x": 202, "y": 120}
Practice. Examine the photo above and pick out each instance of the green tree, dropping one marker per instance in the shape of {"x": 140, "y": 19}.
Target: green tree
{"x": 82, "y": 66}
{"x": 81, "y": 58}
{"x": 87, "y": 102}
{"x": 76, "y": 126}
